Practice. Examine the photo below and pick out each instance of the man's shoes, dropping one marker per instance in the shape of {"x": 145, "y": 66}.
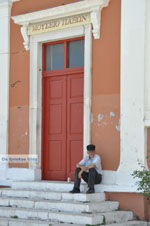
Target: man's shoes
{"x": 75, "y": 190}
{"x": 90, "y": 191}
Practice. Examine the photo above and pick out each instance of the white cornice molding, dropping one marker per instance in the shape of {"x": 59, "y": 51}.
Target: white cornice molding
{"x": 87, "y": 6}
{"x": 60, "y": 11}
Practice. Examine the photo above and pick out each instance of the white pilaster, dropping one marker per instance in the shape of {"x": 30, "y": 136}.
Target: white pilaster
{"x": 147, "y": 65}
{"x": 5, "y": 10}
{"x": 87, "y": 86}
{"x": 133, "y": 134}
{"x": 35, "y": 107}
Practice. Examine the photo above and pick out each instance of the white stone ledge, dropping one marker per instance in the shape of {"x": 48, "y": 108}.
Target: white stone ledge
{"x": 11, "y": 174}
{"x": 30, "y": 175}
{"x": 115, "y": 188}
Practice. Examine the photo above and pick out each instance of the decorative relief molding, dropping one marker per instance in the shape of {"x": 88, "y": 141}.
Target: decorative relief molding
{"x": 95, "y": 18}
{"x": 94, "y": 7}
{"x": 24, "y": 32}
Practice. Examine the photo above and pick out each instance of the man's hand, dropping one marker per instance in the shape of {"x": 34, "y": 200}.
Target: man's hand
{"x": 82, "y": 167}
{"x": 80, "y": 174}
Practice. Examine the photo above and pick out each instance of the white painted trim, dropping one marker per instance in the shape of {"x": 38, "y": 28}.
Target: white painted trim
{"x": 133, "y": 133}
{"x": 36, "y": 84}
{"x": 94, "y": 7}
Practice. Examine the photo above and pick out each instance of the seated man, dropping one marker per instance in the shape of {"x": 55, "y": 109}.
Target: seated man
{"x": 89, "y": 168}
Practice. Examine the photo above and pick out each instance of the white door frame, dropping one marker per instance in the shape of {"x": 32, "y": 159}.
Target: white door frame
{"x": 35, "y": 112}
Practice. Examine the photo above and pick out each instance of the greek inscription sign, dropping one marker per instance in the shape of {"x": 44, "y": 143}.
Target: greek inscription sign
{"x": 57, "y": 24}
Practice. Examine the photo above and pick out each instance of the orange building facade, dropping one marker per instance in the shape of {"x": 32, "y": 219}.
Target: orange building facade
{"x": 103, "y": 100}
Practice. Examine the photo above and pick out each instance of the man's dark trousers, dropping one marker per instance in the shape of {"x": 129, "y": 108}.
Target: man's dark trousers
{"x": 92, "y": 177}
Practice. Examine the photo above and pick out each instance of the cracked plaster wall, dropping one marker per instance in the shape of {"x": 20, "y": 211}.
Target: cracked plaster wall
{"x": 106, "y": 88}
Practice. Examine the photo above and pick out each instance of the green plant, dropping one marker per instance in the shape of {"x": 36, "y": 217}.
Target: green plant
{"x": 89, "y": 225}
{"x": 14, "y": 217}
{"x": 93, "y": 224}
{"x": 143, "y": 182}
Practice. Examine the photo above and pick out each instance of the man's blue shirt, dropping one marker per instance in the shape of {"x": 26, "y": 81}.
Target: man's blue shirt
{"x": 95, "y": 160}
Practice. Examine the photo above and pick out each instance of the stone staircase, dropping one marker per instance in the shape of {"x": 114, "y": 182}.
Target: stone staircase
{"x": 45, "y": 203}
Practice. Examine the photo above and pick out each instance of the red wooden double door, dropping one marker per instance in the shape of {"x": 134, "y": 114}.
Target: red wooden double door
{"x": 62, "y": 117}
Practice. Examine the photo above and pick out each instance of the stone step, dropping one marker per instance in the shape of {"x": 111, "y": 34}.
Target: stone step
{"x": 50, "y": 195}
{"x": 130, "y": 223}
{"x": 67, "y": 206}
{"x": 21, "y": 222}
{"x": 75, "y": 218}
{"x": 60, "y": 186}
{"x": 65, "y": 186}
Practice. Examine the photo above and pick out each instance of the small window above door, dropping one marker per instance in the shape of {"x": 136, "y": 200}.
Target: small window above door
{"x": 55, "y": 56}
{"x": 64, "y": 54}
{"x": 76, "y": 53}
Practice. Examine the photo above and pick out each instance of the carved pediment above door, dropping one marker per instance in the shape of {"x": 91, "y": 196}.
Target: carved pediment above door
{"x": 53, "y": 18}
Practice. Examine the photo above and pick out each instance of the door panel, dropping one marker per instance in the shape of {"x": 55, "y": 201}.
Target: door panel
{"x": 76, "y": 112}
{"x": 63, "y": 125}
{"x": 54, "y": 146}
{"x": 53, "y": 155}
{"x": 74, "y": 122}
